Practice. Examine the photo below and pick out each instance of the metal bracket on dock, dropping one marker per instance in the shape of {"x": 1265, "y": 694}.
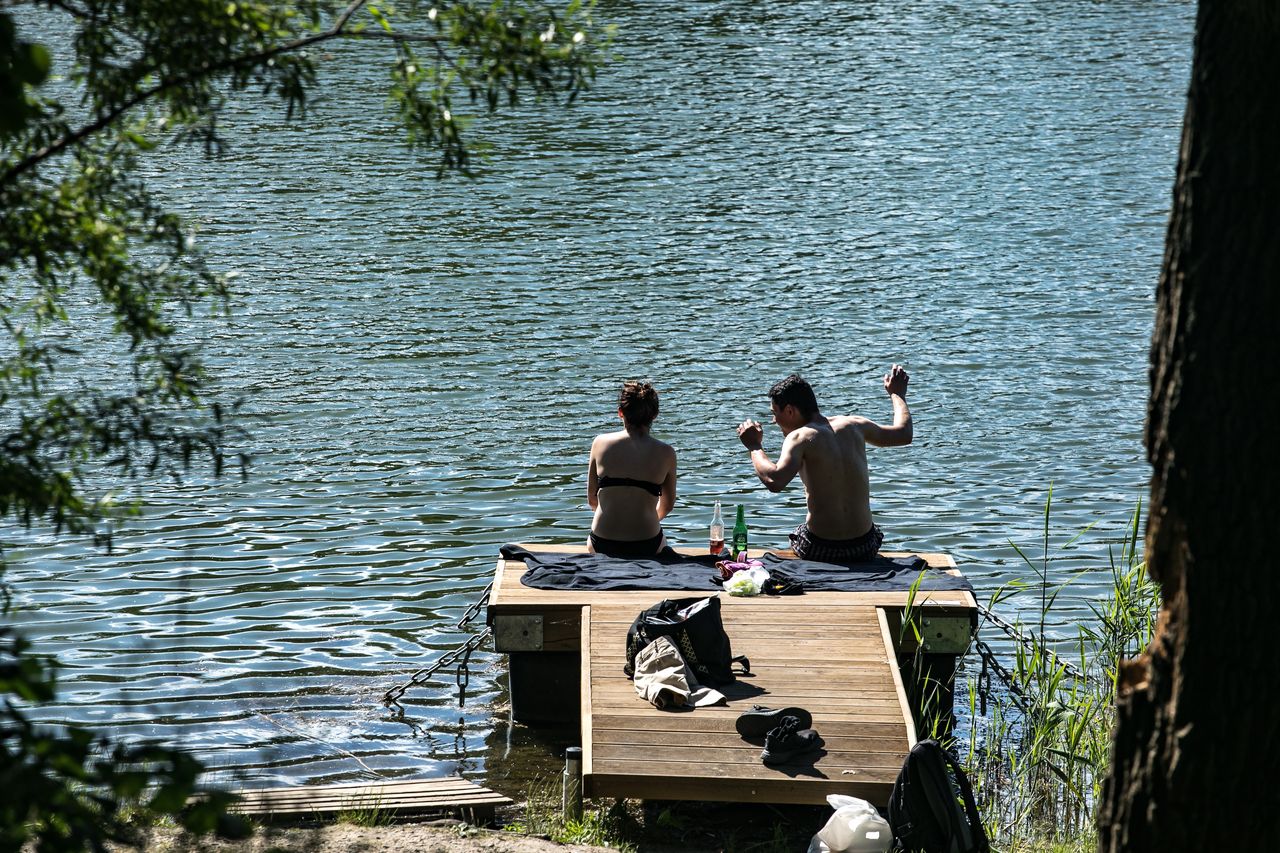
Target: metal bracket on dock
{"x": 946, "y": 634}
{"x": 517, "y": 633}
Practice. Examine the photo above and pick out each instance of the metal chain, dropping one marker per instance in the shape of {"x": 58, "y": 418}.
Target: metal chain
{"x": 1026, "y": 642}
{"x": 984, "y": 681}
{"x": 463, "y": 677}
{"x": 989, "y": 659}
{"x": 460, "y": 655}
{"x": 474, "y": 610}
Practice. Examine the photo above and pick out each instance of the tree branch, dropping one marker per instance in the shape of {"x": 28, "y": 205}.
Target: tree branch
{"x": 394, "y": 36}
{"x": 207, "y": 70}
{"x": 66, "y": 7}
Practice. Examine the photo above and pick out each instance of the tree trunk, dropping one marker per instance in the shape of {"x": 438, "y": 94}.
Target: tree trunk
{"x": 1198, "y": 736}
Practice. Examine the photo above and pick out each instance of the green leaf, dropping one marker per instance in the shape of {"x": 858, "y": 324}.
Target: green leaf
{"x": 33, "y": 64}
{"x": 139, "y": 140}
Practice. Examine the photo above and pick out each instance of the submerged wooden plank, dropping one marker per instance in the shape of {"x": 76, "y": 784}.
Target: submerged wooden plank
{"x": 397, "y": 797}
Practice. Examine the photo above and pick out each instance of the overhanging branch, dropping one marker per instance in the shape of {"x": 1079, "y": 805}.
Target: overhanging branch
{"x": 206, "y": 70}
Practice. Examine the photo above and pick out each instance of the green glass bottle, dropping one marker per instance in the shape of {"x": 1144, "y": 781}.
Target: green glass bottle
{"x": 740, "y": 535}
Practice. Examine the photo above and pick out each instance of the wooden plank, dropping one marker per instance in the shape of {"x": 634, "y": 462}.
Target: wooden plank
{"x": 765, "y": 678}
{"x": 781, "y": 789}
{"x": 935, "y": 560}
{"x": 354, "y": 802}
{"x": 878, "y": 693}
{"x": 789, "y": 623}
{"x": 434, "y": 783}
{"x": 587, "y": 699}
{"x": 412, "y": 796}
{"x": 747, "y": 755}
{"x": 501, "y": 578}
{"x": 810, "y": 680}
{"x": 760, "y": 695}
{"x": 849, "y": 717}
{"x": 514, "y": 592}
{"x": 662, "y": 738}
{"x": 702, "y": 721}
{"x": 897, "y": 677}
{"x": 453, "y": 786}
{"x": 787, "y": 654}
{"x": 537, "y": 601}
{"x": 884, "y": 710}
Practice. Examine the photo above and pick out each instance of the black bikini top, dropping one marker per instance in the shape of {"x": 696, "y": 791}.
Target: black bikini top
{"x": 654, "y": 489}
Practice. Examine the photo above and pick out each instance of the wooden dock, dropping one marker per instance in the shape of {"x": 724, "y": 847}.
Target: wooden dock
{"x": 833, "y": 653}
{"x": 397, "y": 798}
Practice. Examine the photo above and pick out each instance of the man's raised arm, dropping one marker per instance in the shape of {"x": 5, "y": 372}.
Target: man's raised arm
{"x": 895, "y": 385}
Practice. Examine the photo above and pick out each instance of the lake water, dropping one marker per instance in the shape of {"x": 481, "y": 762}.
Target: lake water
{"x": 978, "y": 191}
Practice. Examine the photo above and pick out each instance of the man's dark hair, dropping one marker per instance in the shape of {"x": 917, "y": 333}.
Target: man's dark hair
{"x": 795, "y": 391}
{"x": 638, "y": 402}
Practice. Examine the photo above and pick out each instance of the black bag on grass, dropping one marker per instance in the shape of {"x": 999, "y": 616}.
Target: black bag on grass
{"x": 694, "y": 625}
{"x": 931, "y": 808}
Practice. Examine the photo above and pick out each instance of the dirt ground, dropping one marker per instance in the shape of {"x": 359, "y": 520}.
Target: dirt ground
{"x": 430, "y": 837}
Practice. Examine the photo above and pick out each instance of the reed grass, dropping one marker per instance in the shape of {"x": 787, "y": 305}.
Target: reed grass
{"x": 1037, "y": 747}
{"x": 368, "y": 816}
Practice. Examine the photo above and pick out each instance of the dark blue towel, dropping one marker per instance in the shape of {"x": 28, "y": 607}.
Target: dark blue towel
{"x": 669, "y": 570}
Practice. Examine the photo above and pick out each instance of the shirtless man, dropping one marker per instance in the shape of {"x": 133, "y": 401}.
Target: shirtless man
{"x": 830, "y": 455}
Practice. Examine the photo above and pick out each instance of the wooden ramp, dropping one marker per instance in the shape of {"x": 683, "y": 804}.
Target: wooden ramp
{"x": 827, "y": 656}
{"x": 448, "y": 795}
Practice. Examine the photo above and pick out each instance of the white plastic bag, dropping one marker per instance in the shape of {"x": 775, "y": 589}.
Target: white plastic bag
{"x": 856, "y": 827}
{"x": 746, "y": 582}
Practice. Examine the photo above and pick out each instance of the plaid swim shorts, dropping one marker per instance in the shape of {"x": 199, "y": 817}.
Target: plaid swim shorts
{"x": 859, "y": 550}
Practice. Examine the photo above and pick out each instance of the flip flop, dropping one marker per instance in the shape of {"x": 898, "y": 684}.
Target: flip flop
{"x": 760, "y": 720}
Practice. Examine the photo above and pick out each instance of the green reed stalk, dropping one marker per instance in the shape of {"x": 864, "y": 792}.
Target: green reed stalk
{"x": 1038, "y": 749}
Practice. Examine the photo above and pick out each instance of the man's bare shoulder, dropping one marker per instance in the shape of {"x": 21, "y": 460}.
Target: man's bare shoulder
{"x": 840, "y": 422}
{"x": 803, "y": 435}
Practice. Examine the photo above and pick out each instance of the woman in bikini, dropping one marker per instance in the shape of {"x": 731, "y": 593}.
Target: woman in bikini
{"x": 631, "y": 480}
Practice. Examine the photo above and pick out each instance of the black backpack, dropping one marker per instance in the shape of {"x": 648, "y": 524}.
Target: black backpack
{"x": 694, "y": 625}
{"x": 931, "y": 808}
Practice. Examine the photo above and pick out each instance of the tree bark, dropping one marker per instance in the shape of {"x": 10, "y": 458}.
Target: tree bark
{"x": 1198, "y": 736}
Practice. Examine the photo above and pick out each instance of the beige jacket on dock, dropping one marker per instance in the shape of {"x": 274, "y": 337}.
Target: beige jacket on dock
{"x": 664, "y": 679}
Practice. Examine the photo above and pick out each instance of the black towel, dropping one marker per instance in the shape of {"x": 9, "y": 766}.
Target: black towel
{"x": 669, "y": 570}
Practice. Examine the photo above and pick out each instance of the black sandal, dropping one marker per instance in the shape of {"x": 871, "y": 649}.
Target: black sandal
{"x": 760, "y": 720}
